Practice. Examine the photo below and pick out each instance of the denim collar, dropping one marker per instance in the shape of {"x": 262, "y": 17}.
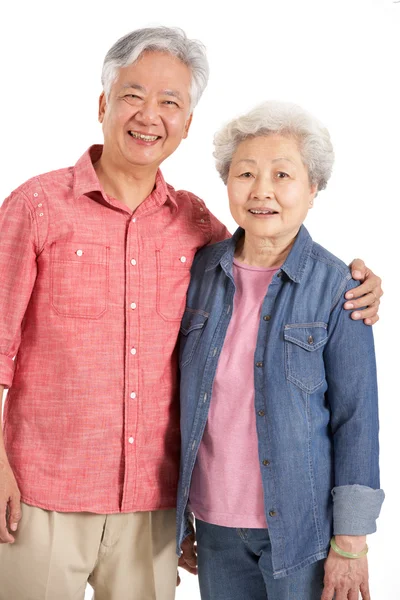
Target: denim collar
{"x": 293, "y": 266}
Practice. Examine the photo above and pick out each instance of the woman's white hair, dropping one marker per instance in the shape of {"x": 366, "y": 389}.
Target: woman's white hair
{"x": 172, "y": 40}
{"x": 285, "y": 119}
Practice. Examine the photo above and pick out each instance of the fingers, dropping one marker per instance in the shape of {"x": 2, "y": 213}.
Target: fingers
{"x": 5, "y": 536}
{"x": 178, "y": 579}
{"x": 366, "y": 313}
{"x": 364, "y": 589}
{"x": 358, "y": 268}
{"x": 369, "y": 300}
{"x": 328, "y": 593}
{"x": 14, "y": 512}
{"x": 370, "y": 285}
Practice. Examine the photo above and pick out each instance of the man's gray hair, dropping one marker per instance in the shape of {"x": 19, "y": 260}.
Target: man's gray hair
{"x": 281, "y": 118}
{"x": 172, "y": 40}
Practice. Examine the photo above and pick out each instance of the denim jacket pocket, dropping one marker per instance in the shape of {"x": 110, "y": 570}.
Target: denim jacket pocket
{"x": 191, "y": 329}
{"x": 79, "y": 279}
{"x": 304, "y": 363}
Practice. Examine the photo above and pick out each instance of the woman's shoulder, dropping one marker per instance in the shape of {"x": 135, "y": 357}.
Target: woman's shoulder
{"x": 329, "y": 261}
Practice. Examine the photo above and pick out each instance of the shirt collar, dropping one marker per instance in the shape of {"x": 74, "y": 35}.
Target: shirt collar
{"x": 86, "y": 180}
{"x": 293, "y": 266}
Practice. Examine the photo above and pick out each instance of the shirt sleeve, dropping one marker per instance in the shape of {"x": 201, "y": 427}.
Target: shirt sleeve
{"x": 17, "y": 276}
{"x": 352, "y": 395}
{"x": 218, "y": 231}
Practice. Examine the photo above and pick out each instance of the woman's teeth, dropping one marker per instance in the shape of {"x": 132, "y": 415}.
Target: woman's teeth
{"x": 262, "y": 212}
{"x": 141, "y": 136}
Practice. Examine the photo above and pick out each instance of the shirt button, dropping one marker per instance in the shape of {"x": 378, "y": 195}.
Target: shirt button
{"x": 133, "y": 220}
{"x": 261, "y": 413}
{"x": 133, "y": 395}
{"x": 130, "y": 440}
{"x": 310, "y": 339}
{"x": 133, "y": 305}
{"x": 183, "y": 259}
{"x": 266, "y": 463}
{"x": 40, "y": 204}
{"x": 79, "y": 252}
{"x": 133, "y": 262}
{"x": 272, "y": 513}
{"x": 259, "y": 364}
{"x": 133, "y": 350}
{"x": 267, "y": 317}
{"x": 35, "y": 195}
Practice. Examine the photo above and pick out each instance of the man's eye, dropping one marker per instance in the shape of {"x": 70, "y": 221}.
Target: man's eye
{"x": 132, "y": 96}
{"x": 170, "y": 103}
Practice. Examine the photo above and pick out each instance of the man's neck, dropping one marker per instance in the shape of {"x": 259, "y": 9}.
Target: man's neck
{"x": 128, "y": 186}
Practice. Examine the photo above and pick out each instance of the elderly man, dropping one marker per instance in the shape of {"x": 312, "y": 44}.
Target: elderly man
{"x": 95, "y": 263}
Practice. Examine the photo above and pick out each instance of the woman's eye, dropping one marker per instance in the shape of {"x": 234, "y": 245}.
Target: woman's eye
{"x": 282, "y": 175}
{"x": 246, "y": 175}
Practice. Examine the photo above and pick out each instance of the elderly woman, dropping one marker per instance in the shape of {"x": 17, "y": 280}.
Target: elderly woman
{"x": 279, "y": 408}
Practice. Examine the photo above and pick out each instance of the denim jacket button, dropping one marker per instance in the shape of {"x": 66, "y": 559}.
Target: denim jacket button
{"x": 266, "y": 463}
{"x": 259, "y": 364}
{"x": 261, "y": 413}
{"x": 272, "y": 513}
{"x": 267, "y": 317}
{"x": 310, "y": 339}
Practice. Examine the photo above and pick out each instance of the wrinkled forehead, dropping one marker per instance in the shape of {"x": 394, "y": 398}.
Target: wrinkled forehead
{"x": 155, "y": 71}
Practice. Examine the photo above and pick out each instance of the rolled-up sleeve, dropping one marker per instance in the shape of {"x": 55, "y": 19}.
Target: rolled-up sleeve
{"x": 352, "y": 394}
{"x": 17, "y": 276}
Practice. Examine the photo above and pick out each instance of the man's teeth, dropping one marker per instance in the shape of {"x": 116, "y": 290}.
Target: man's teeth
{"x": 261, "y": 212}
{"x": 141, "y": 136}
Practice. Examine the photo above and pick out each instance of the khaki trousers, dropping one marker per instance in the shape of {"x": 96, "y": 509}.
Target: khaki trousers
{"x": 123, "y": 556}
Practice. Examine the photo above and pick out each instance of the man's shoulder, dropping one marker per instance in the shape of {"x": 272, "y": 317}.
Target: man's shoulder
{"x": 46, "y": 182}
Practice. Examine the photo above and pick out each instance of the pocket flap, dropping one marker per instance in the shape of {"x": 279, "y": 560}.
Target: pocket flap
{"x": 79, "y": 252}
{"x": 193, "y": 319}
{"x": 309, "y": 336}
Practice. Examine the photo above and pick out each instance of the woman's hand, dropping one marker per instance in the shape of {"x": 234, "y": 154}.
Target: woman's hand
{"x": 367, "y": 295}
{"x": 345, "y": 578}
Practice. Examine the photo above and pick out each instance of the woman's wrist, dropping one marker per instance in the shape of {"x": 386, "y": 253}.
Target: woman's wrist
{"x": 351, "y": 543}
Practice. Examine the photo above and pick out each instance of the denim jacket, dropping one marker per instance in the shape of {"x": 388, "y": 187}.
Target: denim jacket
{"x": 315, "y": 398}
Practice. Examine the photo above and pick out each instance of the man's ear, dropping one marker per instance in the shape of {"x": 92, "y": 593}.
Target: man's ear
{"x": 187, "y": 126}
{"x": 102, "y": 106}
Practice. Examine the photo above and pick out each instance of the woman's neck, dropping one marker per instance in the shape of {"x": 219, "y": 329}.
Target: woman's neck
{"x": 263, "y": 252}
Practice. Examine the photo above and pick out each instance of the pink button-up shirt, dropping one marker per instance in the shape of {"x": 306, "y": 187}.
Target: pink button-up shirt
{"x": 91, "y": 298}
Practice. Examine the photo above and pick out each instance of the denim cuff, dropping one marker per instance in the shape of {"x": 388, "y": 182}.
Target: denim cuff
{"x": 356, "y": 509}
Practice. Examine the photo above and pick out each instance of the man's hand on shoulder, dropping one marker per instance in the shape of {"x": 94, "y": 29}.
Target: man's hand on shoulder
{"x": 10, "y": 504}
{"x": 366, "y": 296}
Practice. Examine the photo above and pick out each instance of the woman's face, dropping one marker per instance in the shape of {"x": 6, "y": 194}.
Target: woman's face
{"x": 268, "y": 187}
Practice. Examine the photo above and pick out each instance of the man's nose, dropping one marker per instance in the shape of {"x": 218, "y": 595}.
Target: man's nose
{"x": 148, "y": 113}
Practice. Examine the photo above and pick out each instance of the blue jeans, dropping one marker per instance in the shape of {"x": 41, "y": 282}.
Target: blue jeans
{"x": 235, "y": 564}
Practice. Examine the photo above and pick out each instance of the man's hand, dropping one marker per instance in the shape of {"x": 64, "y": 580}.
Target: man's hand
{"x": 367, "y": 295}
{"x": 188, "y": 558}
{"x": 10, "y": 505}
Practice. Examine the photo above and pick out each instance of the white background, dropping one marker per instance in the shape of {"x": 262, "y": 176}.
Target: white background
{"x": 339, "y": 59}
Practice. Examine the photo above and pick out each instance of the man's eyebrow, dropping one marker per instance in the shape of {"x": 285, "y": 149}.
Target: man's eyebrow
{"x": 140, "y": 88}
{"x": 134, "y": 86}
{"x": 173, "y": 93}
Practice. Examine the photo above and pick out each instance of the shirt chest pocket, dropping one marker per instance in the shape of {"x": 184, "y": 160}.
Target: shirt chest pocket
{"x": 304, "y": 363}
{"x": 192, "y": 327}
{"x": 79, "y": 279}
{"x": 173, "y": 277}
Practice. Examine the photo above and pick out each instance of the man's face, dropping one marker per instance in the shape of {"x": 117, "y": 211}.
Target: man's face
{"x": 148, "y": 111}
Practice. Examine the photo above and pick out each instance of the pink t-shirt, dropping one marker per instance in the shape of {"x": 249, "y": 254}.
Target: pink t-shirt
{"x": 226, "y": 486}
